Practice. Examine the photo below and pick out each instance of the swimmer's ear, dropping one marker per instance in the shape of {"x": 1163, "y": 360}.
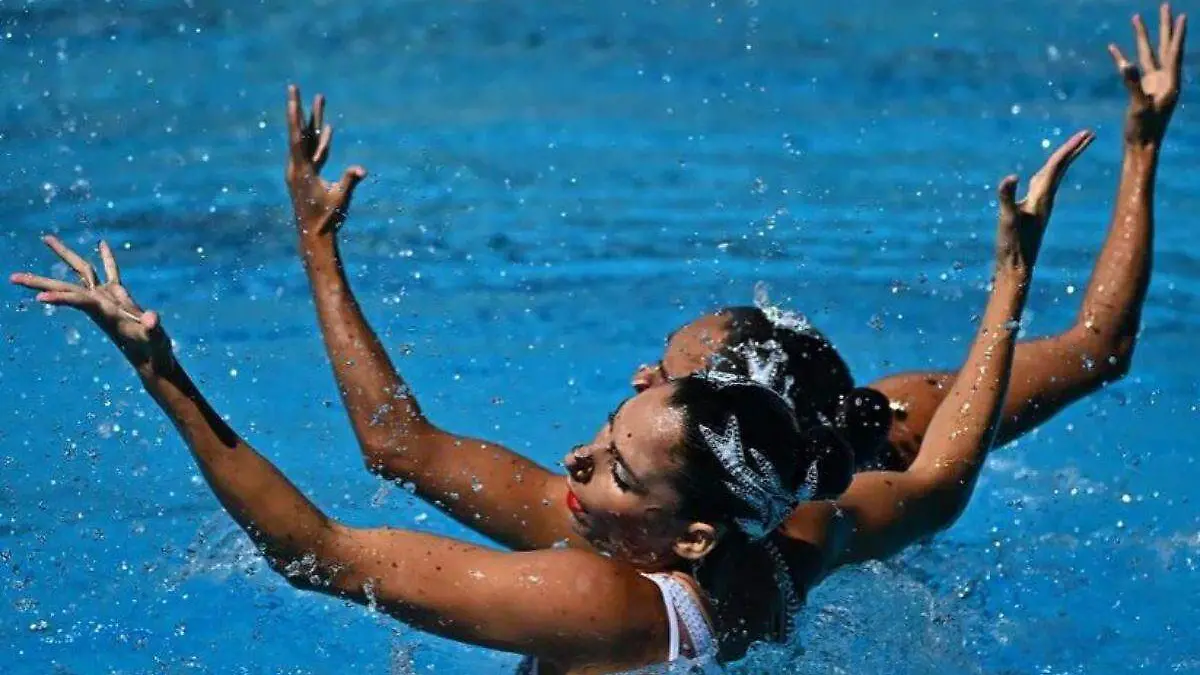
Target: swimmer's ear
{"x": 697, "y": 542}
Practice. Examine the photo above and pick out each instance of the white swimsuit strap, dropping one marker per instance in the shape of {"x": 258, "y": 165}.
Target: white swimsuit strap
{"x": 682, "y": 605}
{"x": 663, "y": 583}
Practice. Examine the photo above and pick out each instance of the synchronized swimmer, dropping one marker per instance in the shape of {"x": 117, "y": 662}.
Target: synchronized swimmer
{"x": 744, "y": 468}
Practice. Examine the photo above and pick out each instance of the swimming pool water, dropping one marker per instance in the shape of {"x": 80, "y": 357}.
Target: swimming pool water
{"x": 554, "y": 187}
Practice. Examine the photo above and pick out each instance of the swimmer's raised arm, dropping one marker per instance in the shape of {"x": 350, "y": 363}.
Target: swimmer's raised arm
{"x": 1051, "y": 373}
{"x": 521, "y": 504}
{"x": 885, "y": 511}
{"x": 275, "y": 515}
{"x": 569, "y": 607}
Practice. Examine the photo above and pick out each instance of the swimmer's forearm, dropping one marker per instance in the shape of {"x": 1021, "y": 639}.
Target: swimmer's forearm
{"x": 1048, "y": 374}
{"x": 964, "y": 426}
{"x": 280, "y": 520}
{"x": 1051, "y": 373}
{"x": 889, "y": 510}
{"x": 1112, "y": 306}
{"x": 484, "y": 485}
{"x": 382, "y": 410}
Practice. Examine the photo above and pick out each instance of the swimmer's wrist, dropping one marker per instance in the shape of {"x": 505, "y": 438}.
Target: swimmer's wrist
{"x": 316, "y": 247}
{"x": 1143, "y": 152}
{"x": 1011, "y": 278}
{"x": 161, "y": 367}
{"x": 1012, "y": 270}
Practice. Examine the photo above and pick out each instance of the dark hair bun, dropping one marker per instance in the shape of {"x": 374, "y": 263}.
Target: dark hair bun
{"x": 830, "y": 465}
{"x": 802, "y": 364}
{"x": 864, "y": 418}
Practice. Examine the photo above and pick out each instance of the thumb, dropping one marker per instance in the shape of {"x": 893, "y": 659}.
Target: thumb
{"x": 1131, "y": 77}
{"x": 1007, "y": 194}
{"x": 350, "y": 180}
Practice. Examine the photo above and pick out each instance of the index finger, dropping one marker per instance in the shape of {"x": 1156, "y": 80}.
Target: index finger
{"x": 318, "y": 114}
{"x": 112, "y": 274}
{"x": 1052, "y": 172}
{"x": 295, "y": 114}
{"x": 1164, "y": 30}
{"x": 1145, "y": 54}
{"x": 82, "y": 267}
{"x": 1175, "y": 54}
{"x": 1075, "y": 145}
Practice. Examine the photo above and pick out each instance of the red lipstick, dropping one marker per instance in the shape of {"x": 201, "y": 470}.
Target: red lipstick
{"x": 573, "y": 503}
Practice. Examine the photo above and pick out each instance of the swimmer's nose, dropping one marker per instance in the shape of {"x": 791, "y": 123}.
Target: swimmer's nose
{"x": 580, "y": 464}
{"x": 644, "y": 378}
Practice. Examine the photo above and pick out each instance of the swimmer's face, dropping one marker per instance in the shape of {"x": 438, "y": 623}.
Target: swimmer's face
{"x": 622, "y": 496}
{"x": 688, "y": 351}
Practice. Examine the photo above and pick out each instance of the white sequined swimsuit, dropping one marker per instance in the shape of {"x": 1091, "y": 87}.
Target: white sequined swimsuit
{"x": 691, "y": 636}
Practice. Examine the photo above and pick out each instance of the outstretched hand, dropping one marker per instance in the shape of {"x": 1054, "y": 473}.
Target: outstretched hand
{"x": 1154, "y": 88}
{"x": 1023, "y": 223}
{"x": 320, "y": 206}
{"x": 138, "y": 333}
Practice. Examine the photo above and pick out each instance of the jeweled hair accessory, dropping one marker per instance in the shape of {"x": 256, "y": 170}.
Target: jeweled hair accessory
{"x": 756, "y": 482}
{"x": 765, "y": 363}
{"x": 720, "y": 378}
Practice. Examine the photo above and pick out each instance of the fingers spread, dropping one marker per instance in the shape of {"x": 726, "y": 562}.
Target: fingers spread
{"x": 295, "y": 114}
{"x": 1145, "y": 52}
{"x": 1074, "y": 147}
{"x": 1007, "y": 193}
{"x": 82, "y": 267}
{"x": 1045, "y": 183}
{"x": 1175, "y": 59}
{"x": 1130, "y": 76}
{"x": 1118, "y": 58}
{"x": 322, "y": 152}
{"x": 1164, "y": 30}
{"x": 77, "y": 299}
{"x": 32, "y": 281}
{"x": 112, "y": 274}
{"x": 318, "y": 114}
{"x": 350, "y": 180}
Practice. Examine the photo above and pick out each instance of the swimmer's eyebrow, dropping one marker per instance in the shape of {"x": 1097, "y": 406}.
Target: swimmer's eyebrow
{"x": 635, "y": 481}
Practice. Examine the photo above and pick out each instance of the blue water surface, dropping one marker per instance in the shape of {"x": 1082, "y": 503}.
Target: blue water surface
{"x": 554, "y": 187}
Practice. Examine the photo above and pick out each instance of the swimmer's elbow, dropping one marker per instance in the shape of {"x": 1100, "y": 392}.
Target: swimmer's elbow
{"x": 375, "y": 460}
{"x": 307, "y": 562}
{"x": 948, "y": 512}
{"x": 944, "y": 504}
{"x": 388, "y": 459}
{"x": 1110, "y": 357}
{"x": 1119, "y": 359}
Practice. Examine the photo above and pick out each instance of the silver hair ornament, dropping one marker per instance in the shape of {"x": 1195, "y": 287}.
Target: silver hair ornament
{"x": 759, "y": 487}
{"x": 763, "y": 363}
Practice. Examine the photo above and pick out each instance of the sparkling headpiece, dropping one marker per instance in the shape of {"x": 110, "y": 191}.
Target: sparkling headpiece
{"x": 765, "y": 362}
{"x": 755, "y": 481}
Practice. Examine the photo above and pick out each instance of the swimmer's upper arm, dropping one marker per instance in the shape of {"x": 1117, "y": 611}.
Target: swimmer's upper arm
{"x": 504, "y": 496}
{"x": 879, "y": 514}
{"x": 889, "y": 510}
{"x": 566, "y": 606}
